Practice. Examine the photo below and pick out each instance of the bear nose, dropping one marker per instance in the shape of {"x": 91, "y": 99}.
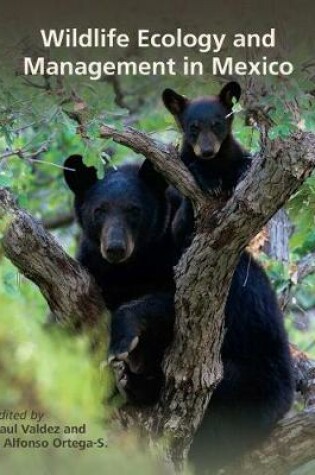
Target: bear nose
{"x": 115, "y": 252}
{"x": 207, "y": 153}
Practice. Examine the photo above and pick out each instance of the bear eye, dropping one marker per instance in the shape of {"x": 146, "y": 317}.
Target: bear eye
{"x": 216, "y": 125}
{"x": 99, "y": 212}
{"x": 194, "y": 129}
{"x": 134, "y": 211}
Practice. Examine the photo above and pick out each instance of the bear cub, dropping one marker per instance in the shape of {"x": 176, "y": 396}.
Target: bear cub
{"x": 209, "y": 149}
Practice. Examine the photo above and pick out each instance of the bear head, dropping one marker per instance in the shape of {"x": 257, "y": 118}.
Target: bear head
{"x": 206, "y": 121}
{"x": 121, "y": 212}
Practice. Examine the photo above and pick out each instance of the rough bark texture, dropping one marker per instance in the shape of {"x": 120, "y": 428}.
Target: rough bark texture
{"x": 70, "y": 291}
{"x": 290, "y": 446}
{"x": 305, "y": 377}
{"x": 164, "y": 157}
{"x": 279, "y": 232}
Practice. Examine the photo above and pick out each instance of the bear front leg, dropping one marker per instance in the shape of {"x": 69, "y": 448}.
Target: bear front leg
{"x": 140, "y": 332}
{"x": 208, "y": 182}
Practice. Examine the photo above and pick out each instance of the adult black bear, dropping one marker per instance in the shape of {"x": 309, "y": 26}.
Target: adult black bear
{"x": 257, "y": 387}
{"x": 127, "y": 246}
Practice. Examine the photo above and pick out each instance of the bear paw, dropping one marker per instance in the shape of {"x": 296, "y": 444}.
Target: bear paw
{"x": 122, "y": 349}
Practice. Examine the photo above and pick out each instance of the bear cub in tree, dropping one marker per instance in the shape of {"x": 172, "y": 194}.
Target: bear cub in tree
{"x": 128, "y": 248}
{"x": 209, "y": 149}
{"x": 257, "y": 386}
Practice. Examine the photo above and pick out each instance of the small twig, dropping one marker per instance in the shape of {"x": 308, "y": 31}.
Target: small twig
{"x": 36, "y": 160}
{"x": 306, "y": 266}
{"x": 28, "y": 82}
{"x": 10, "y": 153}
{"x": 60, "y": 220}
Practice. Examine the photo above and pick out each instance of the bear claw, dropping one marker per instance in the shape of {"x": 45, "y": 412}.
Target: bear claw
{"x": 123, "y": 356}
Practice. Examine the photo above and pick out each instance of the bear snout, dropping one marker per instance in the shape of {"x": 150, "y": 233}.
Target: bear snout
{"x": 116, "y": 244}
{"x": 207, "y": 153}
{"x": 115, "y": 252}
{"x": 207, "y": 145}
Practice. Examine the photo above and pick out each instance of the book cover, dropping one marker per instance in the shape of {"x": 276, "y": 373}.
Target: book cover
{"x": 157, "y": 243}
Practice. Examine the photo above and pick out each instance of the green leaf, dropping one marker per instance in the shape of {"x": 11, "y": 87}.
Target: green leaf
{"x": 5, "y": 180}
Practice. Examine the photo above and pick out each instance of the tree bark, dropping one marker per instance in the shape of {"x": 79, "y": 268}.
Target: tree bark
{"x": 290, "y": 446}
{"x": 70, "y": 291}
{"x": 304, "y": 376}
{"x": 279, "y": 232}
{"x": 60, "y": 220}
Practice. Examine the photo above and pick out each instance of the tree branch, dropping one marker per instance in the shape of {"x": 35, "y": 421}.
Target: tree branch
{"x": 191, "y": 370}
{"x": 306, "y": 266}
{"x": 279, "y": 231}
{"x": 290, "y": 446}
{"x": 60, "y": 220}
{"x": 164, "y": 157}
{"x": 69, "y": 289}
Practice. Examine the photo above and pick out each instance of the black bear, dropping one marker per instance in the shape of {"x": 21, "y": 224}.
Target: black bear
{"x": 127, "y": 246}
{"x": 257, "y": 387}
{"x": 209, "y": 149}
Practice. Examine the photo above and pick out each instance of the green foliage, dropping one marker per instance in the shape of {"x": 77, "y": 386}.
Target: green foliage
{"x": 49, "y": 371}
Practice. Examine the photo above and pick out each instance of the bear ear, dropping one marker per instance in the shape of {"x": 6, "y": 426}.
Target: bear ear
{"x": 78, "y": 176}
{"x": 174, "y": 102}
{"x": 230, "y": 91}
{"x": 151, "y": 177}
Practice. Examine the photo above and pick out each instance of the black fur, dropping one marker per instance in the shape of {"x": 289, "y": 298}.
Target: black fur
{"x": 151, "y": 318}
{"x": 126, "y": 241}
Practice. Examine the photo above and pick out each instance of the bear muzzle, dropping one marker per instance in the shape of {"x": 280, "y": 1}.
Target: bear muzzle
{"x": 116, "y": 245}
{"x": 207, "y": 145}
